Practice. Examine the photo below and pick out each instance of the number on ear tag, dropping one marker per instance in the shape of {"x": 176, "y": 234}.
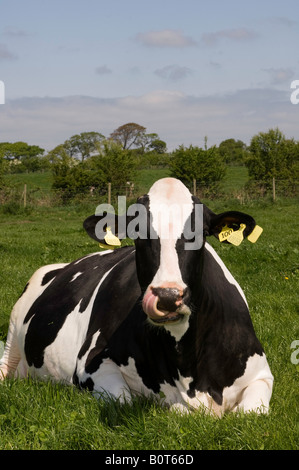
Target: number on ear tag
{"x": 237, "y": 237}
{"x": 225, "y": 233}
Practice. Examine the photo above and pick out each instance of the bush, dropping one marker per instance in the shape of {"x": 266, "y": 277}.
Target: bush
{"x": 194, "y": 163}
{"x": 71, "y": 180}
{"x": 233, "y": 151}
{"x": 150, "y": 160}
{"x": 271, "y": 155}
{"x": 114, "y": 165}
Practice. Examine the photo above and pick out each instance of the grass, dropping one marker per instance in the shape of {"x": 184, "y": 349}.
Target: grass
{"x": 42, "y": 180}
{"x": 235, "y": 178}
{"x": 43, "y": 415}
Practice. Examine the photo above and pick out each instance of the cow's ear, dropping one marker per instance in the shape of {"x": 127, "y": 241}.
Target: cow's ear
{"x": 98, "y": 226}
{"x": 89, "y": 225}
{"x": 231, "y": 220}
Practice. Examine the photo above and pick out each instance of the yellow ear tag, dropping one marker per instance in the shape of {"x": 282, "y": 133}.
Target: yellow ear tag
{"x": 237, "y": 237}
{"x": 256, "y": 232}
{"x": 225, "y": 233}
{"x": 106, "y": 247}
{"x": 111, "y": 239}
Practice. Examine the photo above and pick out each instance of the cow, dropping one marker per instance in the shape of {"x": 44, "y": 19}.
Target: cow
{"x": 163, "y": 317}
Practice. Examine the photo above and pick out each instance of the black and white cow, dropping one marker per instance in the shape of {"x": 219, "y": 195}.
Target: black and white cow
{"x": 154, "y": 318}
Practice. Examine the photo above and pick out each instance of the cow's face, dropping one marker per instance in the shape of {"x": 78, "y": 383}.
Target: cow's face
{"x": 169, "y": 240}
{"x": 168, "y": 259}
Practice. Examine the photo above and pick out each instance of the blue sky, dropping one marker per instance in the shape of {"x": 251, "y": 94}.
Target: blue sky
{"x": 183, "y": 69}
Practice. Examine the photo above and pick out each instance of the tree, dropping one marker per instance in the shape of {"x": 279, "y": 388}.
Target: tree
{"x": 58, "y": 154}
{"x": 205, "y": 166}
{"x": 150, "y": 143}
{"x": 2, "y": 171}
{"x": 21, "y": 156}
{"x": 111, "y": 165}
{"x": 72, "y": 180}
{"x": 64, "y": 175}
{"x": 84, "y": 144}
{"x": 114, "y": 165}
{"x": 129, "y": 135}
{"x": 232, "y": 151}
{"x": 19, "y": 150}
{"x": 158, "y": 146}
{"x": 272, "y": 155}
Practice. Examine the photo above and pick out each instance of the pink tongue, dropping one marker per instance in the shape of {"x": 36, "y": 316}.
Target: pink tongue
{"x": 149, "y": 305}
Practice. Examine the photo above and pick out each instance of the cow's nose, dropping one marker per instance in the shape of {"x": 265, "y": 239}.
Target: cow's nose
{"x": 169, "y": 298}
{"x": 165, "y": 303}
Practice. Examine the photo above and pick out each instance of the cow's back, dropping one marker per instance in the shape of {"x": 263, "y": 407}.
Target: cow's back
{"x": 62, "y": 305}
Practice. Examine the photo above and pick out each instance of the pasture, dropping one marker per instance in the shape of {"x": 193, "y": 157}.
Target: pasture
{"x": 41, "y": 415}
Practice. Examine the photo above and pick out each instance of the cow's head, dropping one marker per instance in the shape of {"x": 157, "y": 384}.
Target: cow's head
{"x": 169, "y": 234}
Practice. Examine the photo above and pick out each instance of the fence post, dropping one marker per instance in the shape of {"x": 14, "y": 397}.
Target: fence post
{"x": 194, "y": 187}
{"x": 25, "y": 195}
{"x": 109, "y": 193}
{"x": 273, "y": 189}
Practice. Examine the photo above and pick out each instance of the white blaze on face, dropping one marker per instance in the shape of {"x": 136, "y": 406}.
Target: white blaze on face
{"x": 170, "y": 204}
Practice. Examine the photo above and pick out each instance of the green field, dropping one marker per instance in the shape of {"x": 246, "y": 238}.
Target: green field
{"x": 235, "y": 178}
{"x": 39, "y": 415}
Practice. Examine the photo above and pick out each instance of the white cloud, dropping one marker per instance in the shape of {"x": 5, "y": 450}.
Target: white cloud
{"x": 165, "y": 38}
{"x": 177, "y": 118}
{"x": 5, "y": 53}
{"x": 215, "y": 65}
{"x": 17, "y": 33}
{"x": 283, "y": 21}
{"x": 280, "y": 75}
{"x": 173, "y": 72}
{"x": 103, "y": 70}
{"x": 235, "y": 35}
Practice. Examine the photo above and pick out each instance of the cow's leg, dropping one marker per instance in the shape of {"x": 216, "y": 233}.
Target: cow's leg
{"x": 108, "y": 381}
{"x": 11, "y": 356}
{"x": 256, "y": 397}
{"x": 13, "y": 362}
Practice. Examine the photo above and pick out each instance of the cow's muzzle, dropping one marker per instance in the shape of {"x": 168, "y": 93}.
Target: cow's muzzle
{"x": 165, "y": 304}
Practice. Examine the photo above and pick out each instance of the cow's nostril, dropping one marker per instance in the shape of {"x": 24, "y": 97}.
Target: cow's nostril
{"x": 170, "y": 298}
{"x": 185, "y": 294}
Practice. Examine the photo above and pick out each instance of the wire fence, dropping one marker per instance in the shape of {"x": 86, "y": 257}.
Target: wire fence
{"x": 32, "y": 196}
{"x": 250, "y": 191}
{"x": 27, "y": 195}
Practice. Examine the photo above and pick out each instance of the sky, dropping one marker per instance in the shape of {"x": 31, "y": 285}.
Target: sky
{"x": 185, "y": 70}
